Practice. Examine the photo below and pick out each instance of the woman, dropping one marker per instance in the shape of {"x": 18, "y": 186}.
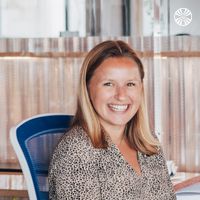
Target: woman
{"x": 110, "y": 153}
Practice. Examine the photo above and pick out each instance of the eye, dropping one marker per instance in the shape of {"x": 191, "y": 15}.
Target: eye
{"x": 108, "y": 84}
{"x": 131, "y": 84}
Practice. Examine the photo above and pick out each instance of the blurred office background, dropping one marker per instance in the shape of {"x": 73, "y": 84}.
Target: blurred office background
{"x": 43, "y": 43}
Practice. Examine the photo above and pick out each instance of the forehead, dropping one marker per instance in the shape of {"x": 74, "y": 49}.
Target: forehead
{"x": 119, "y": 67}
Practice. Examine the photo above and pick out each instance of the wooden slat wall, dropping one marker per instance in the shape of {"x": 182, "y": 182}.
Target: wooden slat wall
{"x": 41, "y": 75}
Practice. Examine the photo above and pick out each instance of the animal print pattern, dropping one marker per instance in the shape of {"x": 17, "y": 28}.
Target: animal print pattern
{"x": 80, "y": 171}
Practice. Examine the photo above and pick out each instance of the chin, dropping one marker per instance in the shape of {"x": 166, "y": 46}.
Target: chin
{"x": 119, "y": 123}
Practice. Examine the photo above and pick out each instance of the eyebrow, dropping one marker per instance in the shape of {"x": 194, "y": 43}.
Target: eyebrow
{"x": 135, "y": 79}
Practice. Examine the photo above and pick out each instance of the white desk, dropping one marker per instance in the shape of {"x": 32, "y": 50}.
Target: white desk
{"x": 184, "y": 179}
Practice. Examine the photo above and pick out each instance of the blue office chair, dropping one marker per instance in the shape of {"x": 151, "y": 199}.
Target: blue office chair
{"x": 34, "y": 141}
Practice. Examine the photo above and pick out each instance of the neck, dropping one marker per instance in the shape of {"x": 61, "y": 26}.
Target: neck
{"x": 115, "y": 133}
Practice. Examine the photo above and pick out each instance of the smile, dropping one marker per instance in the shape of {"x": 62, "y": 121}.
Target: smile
{"x": 119, "y": 108}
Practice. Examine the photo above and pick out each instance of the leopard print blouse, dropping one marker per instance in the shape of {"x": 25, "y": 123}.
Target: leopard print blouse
{"x": 80, "y": 171}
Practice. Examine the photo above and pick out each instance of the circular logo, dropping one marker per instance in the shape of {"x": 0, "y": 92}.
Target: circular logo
{"x": 183, "y": 16}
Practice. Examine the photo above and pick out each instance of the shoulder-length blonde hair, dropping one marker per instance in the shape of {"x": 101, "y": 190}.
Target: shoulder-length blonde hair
{"x": 137, "y": 130}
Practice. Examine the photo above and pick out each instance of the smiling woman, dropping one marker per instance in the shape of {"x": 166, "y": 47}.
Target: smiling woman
{"x": 110, "y": 153}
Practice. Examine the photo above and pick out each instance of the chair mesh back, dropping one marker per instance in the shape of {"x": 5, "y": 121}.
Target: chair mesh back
{"x": 40, "y": 148}
{"x": 37, "y": 138}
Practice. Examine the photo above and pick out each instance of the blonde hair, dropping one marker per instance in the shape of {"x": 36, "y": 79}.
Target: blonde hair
{"x": 137, "y": 132}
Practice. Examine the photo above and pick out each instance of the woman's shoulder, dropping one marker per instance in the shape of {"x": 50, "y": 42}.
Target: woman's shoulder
{"x": 74, "y": 138}
{"x": 157, "y": 159}
{"x": 75, "y": 134}
{"x": 75, "y": 144}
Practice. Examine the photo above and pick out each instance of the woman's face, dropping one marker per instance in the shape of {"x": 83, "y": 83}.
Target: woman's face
{"x": 116, "y": 92}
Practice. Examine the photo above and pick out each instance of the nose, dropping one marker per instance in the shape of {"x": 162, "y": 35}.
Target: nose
{"x": 120, "y": 93}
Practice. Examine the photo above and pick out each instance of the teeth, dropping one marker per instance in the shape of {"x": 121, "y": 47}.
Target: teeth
{"x": 118, "y": 107}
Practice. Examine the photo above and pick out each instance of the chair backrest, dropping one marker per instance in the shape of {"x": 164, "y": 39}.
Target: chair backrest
{"x": 34, "y": 141}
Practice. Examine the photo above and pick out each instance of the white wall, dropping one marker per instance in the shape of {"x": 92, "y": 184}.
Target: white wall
{"x": 194, "y": 27}
{"x": 111, "y": 18}
{"x": 77, "y": 16}
{"x": 32, "y": 18}
{"x": 46, "y": 18}
{"x": 152, "y": 12}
